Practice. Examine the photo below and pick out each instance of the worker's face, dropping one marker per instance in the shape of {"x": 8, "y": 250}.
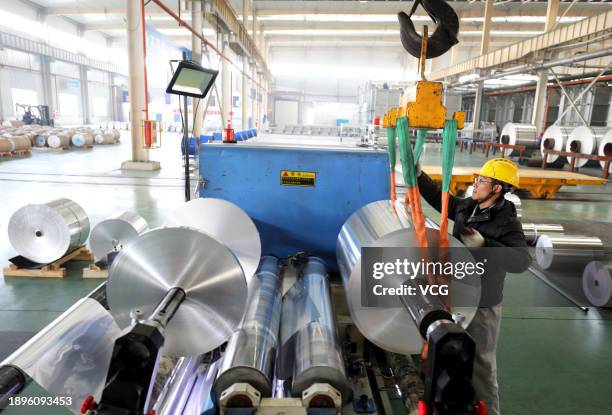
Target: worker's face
{"x": 483, "y": 186}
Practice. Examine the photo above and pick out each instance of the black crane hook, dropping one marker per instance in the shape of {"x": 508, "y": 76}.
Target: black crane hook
{"x": 443, "y": 38}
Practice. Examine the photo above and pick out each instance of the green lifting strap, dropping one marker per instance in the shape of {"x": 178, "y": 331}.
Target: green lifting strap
{"x": 420, "y": 141}
{"x": 406, "y": 155}
{"x": 449, "y": 140}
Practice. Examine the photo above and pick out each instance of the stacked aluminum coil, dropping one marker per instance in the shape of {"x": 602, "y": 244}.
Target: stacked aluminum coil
{"x": 567, "y": 251}
{"x": 555, "y": 138}
{"x": 44, "y": 233}
{"x": 584, "y": 140}
{"x": 605, "y": 149}
{"x": 115, "y": 232}
{"x": 519, "y": 135}
{"x": 597, "y": 283}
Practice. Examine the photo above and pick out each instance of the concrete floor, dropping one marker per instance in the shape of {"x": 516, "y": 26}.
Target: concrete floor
{"x": 552, "y": 360}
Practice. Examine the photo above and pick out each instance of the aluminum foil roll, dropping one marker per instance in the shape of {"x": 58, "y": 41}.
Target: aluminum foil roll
{"x": 554, "y": 138}
{"x": 82, "y": 139}
{"x": 58, "y": 140}
{"x": 225, "y": 222}
{"x": 115, "y": 232}
{"x": 605, "y": 149}
{"x": 385, "y": 224}
{"x": 250, "y": 352}
{"x": 567, "y": 251}
{"x": 518, "y": 135}
{"x": 103, "y": 138}
{"x": 70, "y": 357}
{"x": 40, "y": 140}
{"x": 46, "y": 232}
{"x": 584, "y": 140}
{"x": 597, "y": 283}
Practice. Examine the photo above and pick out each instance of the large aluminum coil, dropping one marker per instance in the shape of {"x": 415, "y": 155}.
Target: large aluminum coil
{"x": 41, "y": 140}
{"x": 533, "y": 231}
{"x": 605, "y": 149}
{"x": 58, "y": 140}
{"x": 584, "y": 140}
{"x": 554, "y": 138}
{"x": 147, "y": 268}
{"x": 6, "y": 145}
{"x": 70, "y": 356}
{"x": 115, "y": 232}
{"x": 318, "y": 354}
{"x": 44, "y": 233}
{"x": 82, "y": 140}
{"x": 519, "y": 135}
{"x": 104, "y": 138}
{"x": 225, "y": 222}
{"x": 20, "y": 143}
{"x": 251, "y": 351}
{"x": 567, "y": 251}
{"x": 597, "y": 283}
{"x": 385, "y": 224}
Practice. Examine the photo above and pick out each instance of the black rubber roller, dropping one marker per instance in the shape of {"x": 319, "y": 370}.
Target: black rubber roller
{"x": 444, "y": 36}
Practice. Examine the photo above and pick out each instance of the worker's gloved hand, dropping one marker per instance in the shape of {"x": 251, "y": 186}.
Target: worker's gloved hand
{"x": 472, "y": 238}
{"x": 417, "y": 169}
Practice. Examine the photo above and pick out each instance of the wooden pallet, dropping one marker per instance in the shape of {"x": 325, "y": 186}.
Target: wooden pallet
{"x": 21, "y": 153}
{"x": 93, "y": 271}
{"x": 542, "y": 184}
{"x": 6, "y": 154}
{"x": 52, "y": 270}
{"x": 50, "y": 149}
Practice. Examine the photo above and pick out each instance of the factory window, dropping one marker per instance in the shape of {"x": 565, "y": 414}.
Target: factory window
{"x": 99, "y": 106}
{"x": 24, "y": 96}
{"x": 68, "y": 104}
{"x": 601, "y": 106}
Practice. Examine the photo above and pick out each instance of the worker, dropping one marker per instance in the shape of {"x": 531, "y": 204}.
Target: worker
{"x": 486, "y": 219}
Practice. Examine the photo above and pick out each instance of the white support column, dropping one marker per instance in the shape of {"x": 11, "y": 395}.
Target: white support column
{"x": 255, "y": 93}
{"x": 484, "y": 48}
{"x": 136, "y": 64}
{"x": 245, "y": 67}
{"x": 541, "y": 91}
{"x": 196, "y": 56}
{"x": 84, "y": 94}
{"x": 226, "y": 93}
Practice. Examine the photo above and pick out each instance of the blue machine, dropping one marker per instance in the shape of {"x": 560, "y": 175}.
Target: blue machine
{"x": 305, "y": 209}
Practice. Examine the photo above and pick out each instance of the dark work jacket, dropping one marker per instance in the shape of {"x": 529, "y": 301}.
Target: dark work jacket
{"x": 500, "y": 228}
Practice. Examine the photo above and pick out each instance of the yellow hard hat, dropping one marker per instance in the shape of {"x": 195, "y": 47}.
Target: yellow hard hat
{"x": 500, "y": 169}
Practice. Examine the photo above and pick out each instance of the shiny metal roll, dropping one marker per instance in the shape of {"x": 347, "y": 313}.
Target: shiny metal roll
{"x": 597, "y": 283}
{"x": 145, "y": 270}
{"x": 104, "y": 138}
{"x": 58, "y": 140}
{"x": 82, "y": 139}
{"x": 41, "y": 140}
{"x": 384, "y": 224}
{"x": 225, "y": 222}
{"x": 533, "y": 231}
{"x": 176, "y": 392}
{"x": 318, "y": 354}
{"x": 46, "y": 232}
{"x": 605, "y": 149}
{"x": 584, "y": 140}
{"x": 518, "y": 135}
{"x": 115, "y": 232}
{"x": 567, "y": 251}
{"x": 70, "y": 356}
{"x": 6, "y": 145}
{"x": 251, "y": 351}
{"x": 554, "y": 138}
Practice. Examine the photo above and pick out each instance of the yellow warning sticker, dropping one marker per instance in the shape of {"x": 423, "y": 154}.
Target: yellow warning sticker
{"x": 298, "y": 178}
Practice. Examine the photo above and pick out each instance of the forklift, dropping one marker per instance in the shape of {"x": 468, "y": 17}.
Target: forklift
{"x": 40, "y": 115}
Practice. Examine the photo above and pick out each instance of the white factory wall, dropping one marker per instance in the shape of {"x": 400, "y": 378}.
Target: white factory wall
{"x": 330, "y": 78}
